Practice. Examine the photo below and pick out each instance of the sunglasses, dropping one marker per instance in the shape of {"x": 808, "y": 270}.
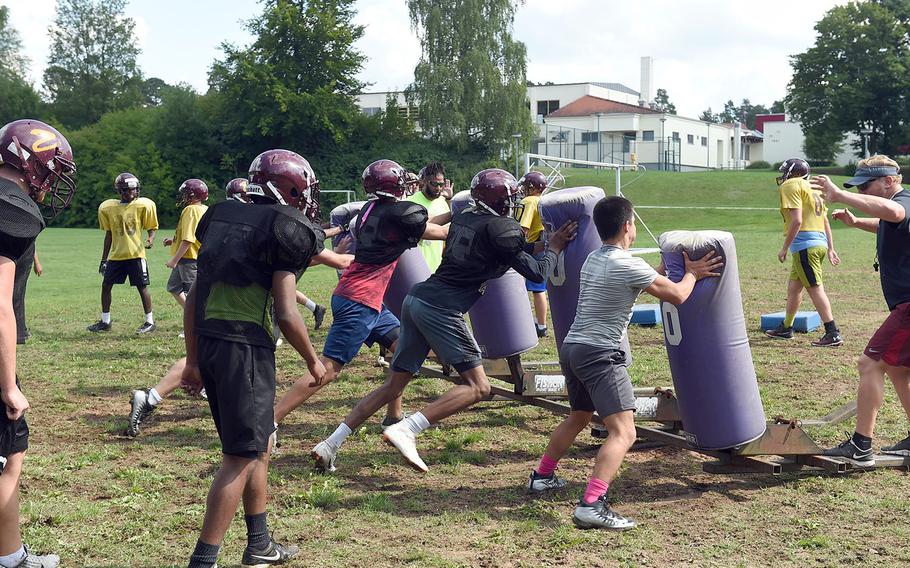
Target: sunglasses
{"x": 865, "y": 185}
{"x": 436, "y": 183}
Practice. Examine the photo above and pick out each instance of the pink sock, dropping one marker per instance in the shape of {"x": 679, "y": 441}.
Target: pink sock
{"x": 596, "y": 488}
{"x": 547, "y": 465}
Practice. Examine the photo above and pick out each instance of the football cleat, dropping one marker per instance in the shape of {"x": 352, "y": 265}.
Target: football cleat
{"x": 140, "y": 408}
{"x": 780, "y": 332}
{"x": 99, "y": 326}
{"x": 35, "y": 561}
{"x": 849, "y": 451}
{"x": 401, "y": 437}
{"x": 146, "y": 328}
{"x": 271, "y": 555}
{"x": 542, "y": 483}
{"x": 599, "y": 515}
{"x": 319, "y": 316}
{"x": 830, "y": 339}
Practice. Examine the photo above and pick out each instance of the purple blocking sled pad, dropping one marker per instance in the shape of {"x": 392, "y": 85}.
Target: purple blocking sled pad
{"x": 708, "y": 348}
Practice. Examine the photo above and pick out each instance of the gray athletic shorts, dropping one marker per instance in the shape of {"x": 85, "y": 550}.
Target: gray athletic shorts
{"x": 424, "y": 327}
{"x": 182, "y": 277}
{"x": 597, "y": 379}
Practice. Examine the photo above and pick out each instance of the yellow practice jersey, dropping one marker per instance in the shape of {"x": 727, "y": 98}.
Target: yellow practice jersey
{"x": 431, "y": 250}
{"x": 186, "y": 230}
{"x": 530, "y": 218}
{"x": 126, "y": 222}
{"x": 795, "y": 193}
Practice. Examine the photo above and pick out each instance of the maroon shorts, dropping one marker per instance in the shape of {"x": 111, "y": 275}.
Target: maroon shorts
{"x": 891, "y": 343}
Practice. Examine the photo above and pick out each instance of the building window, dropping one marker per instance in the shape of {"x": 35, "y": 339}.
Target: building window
{"x": 647, "y": 135}
{"x": 676, "y": 136}
{"x": 589, "y": 136}
{"x": 372, "y": 111}
{"x": 690, "y": 138}
{"x": 704, "y": 141}
{"x": 546, "y": 107}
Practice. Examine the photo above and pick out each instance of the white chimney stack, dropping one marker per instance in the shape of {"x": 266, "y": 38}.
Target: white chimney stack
{"x": 647, "y": 81}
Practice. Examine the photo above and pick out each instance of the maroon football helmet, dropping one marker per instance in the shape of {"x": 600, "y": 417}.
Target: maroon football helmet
{"x": 385, "y": 178}
{"x": 236, "y": 190}
{"x": 285, "y": 177}
{"x": 192, "y": 190}
{"x": 791, "y": 168}
{"x": 535, "y": 180}
{"x": 128, "y": 186}
{"x": 496, "y": 191}
{"x": 45, "y": 159}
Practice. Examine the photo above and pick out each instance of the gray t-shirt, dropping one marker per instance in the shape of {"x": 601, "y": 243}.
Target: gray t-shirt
{"x": 611, "y": 280}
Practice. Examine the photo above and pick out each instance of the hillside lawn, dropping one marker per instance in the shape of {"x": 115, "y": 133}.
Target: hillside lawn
{"x": 98, "y": 498}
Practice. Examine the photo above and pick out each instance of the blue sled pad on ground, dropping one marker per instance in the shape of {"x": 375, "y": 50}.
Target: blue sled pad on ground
{"x": 646, "y": 314}
{"x": 804, "y": 322}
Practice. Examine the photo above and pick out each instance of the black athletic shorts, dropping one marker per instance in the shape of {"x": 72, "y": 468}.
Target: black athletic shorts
{"x": 239, "y": 381}
{"x": 13, "y": 435}
{"x": 136, "y": 268}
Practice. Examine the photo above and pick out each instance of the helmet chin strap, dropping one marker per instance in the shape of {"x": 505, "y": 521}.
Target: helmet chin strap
{"x": 487, "y": 207}
{"x": 385, "y": 194}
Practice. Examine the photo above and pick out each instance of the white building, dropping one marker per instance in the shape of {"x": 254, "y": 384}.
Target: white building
{"x": 783, "y": 139}
{"x": 610, "y": 122}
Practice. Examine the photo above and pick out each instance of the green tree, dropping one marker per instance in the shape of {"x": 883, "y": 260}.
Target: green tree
{"x": 294, "y": 86}
{"x": 470, "y": 82}
{"x": 92, "y": 64}
{"x": 708, "y": 116}
{"x": 17, "y": 97}
{"x": 855, "y": 77}
{"x": 662, "y": 102}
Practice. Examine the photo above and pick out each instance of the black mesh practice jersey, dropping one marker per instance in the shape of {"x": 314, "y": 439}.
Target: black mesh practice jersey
{"x": 243, "y": 245}
{"x": 20, "y": 221}
{"x": 480, "y": 247}
{"x": 385, "y": 229}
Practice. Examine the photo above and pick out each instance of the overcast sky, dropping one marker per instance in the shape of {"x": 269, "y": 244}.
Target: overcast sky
{"x": 705, "y": 51}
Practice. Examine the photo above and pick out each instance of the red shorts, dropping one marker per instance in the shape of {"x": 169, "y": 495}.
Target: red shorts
{"x": 891, "y": 343}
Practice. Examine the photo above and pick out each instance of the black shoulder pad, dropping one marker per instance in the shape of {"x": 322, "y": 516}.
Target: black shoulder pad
{"x": 298, "y": 240}
{"x": 506, "y": 236}
{"x": 413, "y": 217}
{"x": 21, "y": 217}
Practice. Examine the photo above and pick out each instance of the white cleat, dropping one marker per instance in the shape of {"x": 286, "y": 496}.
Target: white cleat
{"x": 400, "y": 436}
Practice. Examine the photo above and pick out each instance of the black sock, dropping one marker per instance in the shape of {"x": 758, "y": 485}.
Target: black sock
{"x": 862, "y": 442}
{"x": 204, "y": 556}
{"x": 831, "y": 327}
{"x": 257, "y": 531}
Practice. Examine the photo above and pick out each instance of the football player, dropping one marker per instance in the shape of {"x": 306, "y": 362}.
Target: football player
{"x": 533, "y": 184}
{"x": 185, "y": 245}
{"x": 36, "y": 179}
{"x": 484, "y": 241}
{"x": 385, "y": 228}
{"x": 123, "y": 254}
{"x": 251, "y": 258}
{"x": 808, "y": 239}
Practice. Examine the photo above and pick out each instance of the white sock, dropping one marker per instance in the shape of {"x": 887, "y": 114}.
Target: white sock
{"x": 149, "y": 318}
{"x": 540, "y": 326}
{"x": 310, "y": 305}
{"x": 154, "y": 397}
{"x": 338, "y": 436}
{"x": 14, "y": 559}
{"x": 106, "y": 317}
{"x": 417, "y": 422}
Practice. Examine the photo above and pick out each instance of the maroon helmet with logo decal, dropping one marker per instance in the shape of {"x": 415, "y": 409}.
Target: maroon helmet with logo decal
{"x": 533, "y": 181}
{"x": 285, "y": 177}
{"x": 385, "y": 178}
{"x": 497, "y": 191}
{"x": 792, "y": 168}
{"x": 128, "y": 186}
{"x": 45, "y": 159}
{"x": 236, "y": 190}
{"x": 192, "y": 190}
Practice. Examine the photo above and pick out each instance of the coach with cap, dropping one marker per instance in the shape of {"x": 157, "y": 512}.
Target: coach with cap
{"x": 881, "y": 197}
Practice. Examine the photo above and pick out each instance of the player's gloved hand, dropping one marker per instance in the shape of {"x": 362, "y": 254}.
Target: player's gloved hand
{"x": 102, "y": 268}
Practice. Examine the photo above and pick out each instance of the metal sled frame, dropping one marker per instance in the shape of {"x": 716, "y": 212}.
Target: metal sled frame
{"x": 784, "y": 447}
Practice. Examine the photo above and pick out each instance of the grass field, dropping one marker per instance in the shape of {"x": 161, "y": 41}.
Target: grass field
{"x": 98, "y": 498}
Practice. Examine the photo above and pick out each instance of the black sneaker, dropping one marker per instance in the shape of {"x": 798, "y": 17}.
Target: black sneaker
{"x": 599, "y": 515}
{"x": 780, "y": 332}
{"x": 272, "y": 554}
{"x": 847, "y": 450}
{"x": 99, "y": 326}
{"x": 542, "y": 483}
{"x": 319, "y": 316}
{"x": 146, "y": 328}
{"x": 541, "y": 331}
{"x": 139, "y": 411}
{"x": 901, "y": 448}
{"x": 830, "y": 339}
{"x": 389, "y": 420}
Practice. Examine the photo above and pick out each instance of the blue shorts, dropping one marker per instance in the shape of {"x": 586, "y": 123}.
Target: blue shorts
{"x": 353, "y": 325}
{"x": 534, "y": 286}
